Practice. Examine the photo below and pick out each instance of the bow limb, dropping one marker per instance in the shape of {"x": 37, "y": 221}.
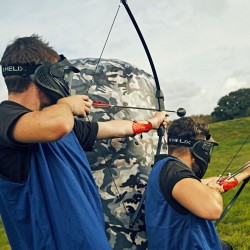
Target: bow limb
{"x": 159, "y": 94}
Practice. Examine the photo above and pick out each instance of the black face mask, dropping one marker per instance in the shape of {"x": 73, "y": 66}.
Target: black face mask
{"x": 201, "y": 150}
{"x": 202, "y": 153}
{"x": 54, "y": 78}
{"x": 197, "y": 170}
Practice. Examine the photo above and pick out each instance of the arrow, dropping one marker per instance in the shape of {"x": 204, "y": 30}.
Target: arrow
{"x": 97, "y": 104}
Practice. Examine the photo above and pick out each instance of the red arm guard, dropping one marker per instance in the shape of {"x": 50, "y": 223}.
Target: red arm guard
{"x": 227, "y": 185}
{"x": 140, "y": 127}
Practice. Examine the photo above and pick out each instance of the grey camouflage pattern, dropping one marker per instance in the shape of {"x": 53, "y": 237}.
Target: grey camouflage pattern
{"x": 120, "y": 166}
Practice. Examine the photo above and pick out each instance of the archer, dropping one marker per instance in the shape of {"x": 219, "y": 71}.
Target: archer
{"x": 48, "y": 196}
{"x": 181, "y": 206}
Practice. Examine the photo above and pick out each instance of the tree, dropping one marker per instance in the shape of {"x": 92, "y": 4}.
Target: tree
{"x": 203, "y": 118}
{"x": 234, "y": 105}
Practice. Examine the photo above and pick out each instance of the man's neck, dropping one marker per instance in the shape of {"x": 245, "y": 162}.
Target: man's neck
{"x": 185, "y": 158}
{"x": 29, "y": 98}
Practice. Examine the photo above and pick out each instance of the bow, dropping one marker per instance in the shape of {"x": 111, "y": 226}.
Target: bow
{"x": 231, "y": 175}
{"x": 98, "y": 143}
{"x": 159, "y": 94}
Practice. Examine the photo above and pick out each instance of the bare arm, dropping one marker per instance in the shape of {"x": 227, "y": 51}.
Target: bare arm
{"x": 228, "y": 182}
{"x": 51, "y": 123}
{"x": 201, "y": 200}
{"x": 244, "y": 174}
{"x": 121, "y": 128}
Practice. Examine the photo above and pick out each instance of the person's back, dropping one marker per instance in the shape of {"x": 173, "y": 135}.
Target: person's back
{"x": 48, "y": 197}
{"x": 181, "y": 206}
{"x": 173, "y": 226}
{"x": 53, "y": 200}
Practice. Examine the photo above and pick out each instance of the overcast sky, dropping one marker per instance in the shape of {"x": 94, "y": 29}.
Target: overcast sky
{"x": 201, "y": 48}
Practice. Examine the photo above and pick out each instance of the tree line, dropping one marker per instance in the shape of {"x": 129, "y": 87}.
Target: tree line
{"x": 234, "y": 105}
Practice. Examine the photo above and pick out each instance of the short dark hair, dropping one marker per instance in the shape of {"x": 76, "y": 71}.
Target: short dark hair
{"x": 26, "y": 50}
{"x": 188, "y": 128}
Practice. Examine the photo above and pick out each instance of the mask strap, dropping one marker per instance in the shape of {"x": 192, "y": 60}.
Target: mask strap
{"x": 19, "y": 69}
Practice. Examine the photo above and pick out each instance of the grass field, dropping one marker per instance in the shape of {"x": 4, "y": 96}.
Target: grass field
{"x": 235, "y": 227}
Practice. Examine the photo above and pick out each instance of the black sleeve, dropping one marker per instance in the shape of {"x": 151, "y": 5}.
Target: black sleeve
{"x": 10, "y": 112}
{"x": 14, "y": 156}
{"x": 173, "y": 172}
{"x": 86, "y": 133}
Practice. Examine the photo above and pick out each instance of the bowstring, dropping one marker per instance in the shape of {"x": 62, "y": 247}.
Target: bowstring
{"x": 103, "y": 48}
{"x": 229, "y": 164}
{"x": 229, "y": 205}
{"x": 90, "y": 84}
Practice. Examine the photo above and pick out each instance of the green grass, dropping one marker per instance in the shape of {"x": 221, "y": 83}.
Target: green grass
{"x": 4, "y": 244}
{"x": 235, "y": 227}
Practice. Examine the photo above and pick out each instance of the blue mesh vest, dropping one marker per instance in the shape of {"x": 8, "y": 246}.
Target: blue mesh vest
{"x": 167, "y": 228}
{"x": 59, "y": 206}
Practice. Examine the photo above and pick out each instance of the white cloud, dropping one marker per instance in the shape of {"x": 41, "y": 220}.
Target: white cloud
{"x": 200, "y": 48}
{"x": 231, "y": 84}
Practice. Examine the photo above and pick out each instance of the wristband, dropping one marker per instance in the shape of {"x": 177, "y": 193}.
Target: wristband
{"x": 140, "y": 127}
{"x": 230, "y": 184}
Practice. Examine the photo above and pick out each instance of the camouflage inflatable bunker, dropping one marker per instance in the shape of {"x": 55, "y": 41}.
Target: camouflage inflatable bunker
{"x": 120, "y": 166}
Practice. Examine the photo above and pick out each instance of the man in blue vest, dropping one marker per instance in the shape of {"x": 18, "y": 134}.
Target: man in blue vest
{"x": 48, "y": 197}
{"x": 181, "y": 206}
